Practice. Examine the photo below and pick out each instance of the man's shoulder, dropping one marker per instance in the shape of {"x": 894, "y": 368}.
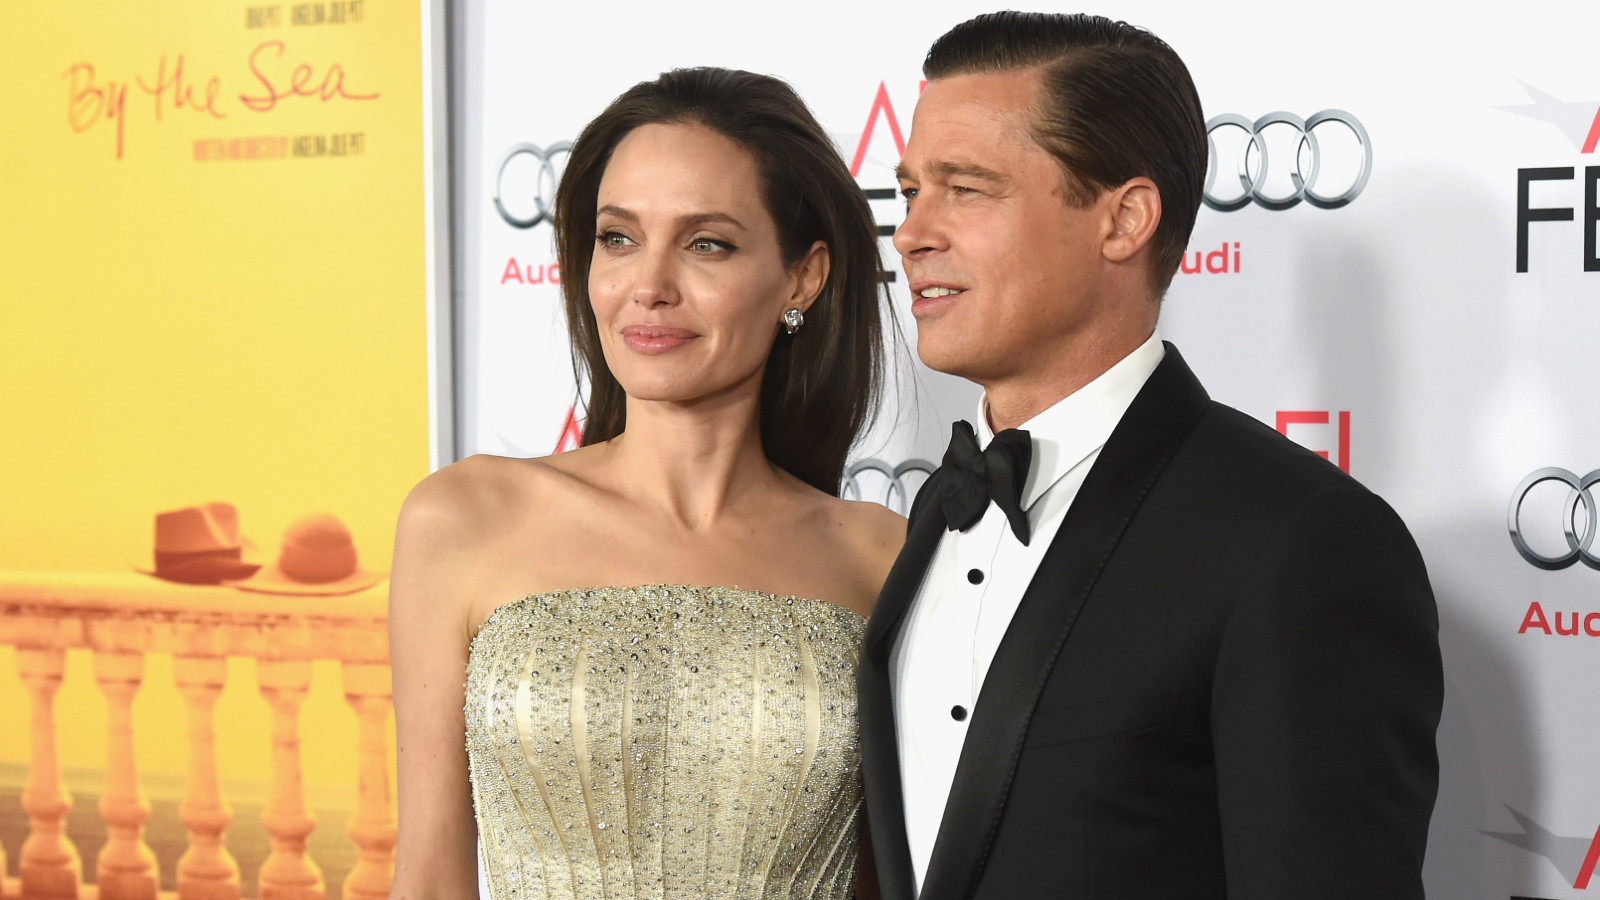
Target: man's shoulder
{"x": 1230, "y": 444}
{"x": 1234, "y": 469}
{"x": 1240, "y": 488}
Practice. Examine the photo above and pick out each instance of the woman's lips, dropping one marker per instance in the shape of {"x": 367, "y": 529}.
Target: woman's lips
{"x": 653, "y": 339}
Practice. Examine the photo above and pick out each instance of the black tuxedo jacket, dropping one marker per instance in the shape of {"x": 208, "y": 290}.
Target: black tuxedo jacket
{"x": 1223, "y": 681}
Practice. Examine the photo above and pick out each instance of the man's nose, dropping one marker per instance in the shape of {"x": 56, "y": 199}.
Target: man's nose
{"x": 920, "y": 233}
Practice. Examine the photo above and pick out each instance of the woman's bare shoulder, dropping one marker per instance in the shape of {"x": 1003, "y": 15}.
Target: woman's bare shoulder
{"x": 453, "y": 527}
{"x": 452, "y": 508}
{"x": 870, "y": 535}
{"x": 872, "y": 525}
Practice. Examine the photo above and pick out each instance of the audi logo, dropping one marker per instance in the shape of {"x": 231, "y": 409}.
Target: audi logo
{"x": 1579, "y": 533}
{"x": 895, "y": 485}
{"x": 1296, "y": 153}
{"x": 544, "y": 182}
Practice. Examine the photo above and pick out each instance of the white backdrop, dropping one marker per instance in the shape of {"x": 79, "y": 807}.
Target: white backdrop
{"x": 1394, "y": 332}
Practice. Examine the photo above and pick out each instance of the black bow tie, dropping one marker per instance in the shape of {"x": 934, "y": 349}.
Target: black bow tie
{"x": 968, "y": 479}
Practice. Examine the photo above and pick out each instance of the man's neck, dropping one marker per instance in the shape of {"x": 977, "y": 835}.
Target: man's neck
{"x": 1012, "y": 402}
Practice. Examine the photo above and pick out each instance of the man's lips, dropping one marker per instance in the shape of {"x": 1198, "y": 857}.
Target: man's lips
{"x": 928, "y": 295}
{"x": 652, "y": 339}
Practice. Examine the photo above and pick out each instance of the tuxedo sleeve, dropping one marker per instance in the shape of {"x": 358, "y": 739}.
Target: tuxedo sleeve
{"x": 1324, "y": 709}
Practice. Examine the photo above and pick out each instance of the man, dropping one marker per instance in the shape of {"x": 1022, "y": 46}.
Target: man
{"x": 1144, "y": 647}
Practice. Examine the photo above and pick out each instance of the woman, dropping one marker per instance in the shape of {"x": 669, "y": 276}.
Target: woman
{"x": 651, "y": 709}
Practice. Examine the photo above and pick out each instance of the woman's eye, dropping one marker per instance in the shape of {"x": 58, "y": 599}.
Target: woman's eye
{"x": 612, "y": 240}
{"x": 707, "y": 245}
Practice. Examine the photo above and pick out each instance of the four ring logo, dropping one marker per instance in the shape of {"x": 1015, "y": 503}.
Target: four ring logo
{"x": 533, "y": 178}
{"x": 1326, "y": 173}
{"x": 897, "y": 490}
{"x": 1579, "y": 533}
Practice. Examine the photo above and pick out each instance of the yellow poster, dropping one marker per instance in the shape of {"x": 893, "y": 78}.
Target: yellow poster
{"x": 213, "y": 398}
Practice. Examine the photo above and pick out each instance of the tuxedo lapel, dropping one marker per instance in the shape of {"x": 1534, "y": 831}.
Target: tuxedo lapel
{"x": 1160, "y": 417}
{"x": 880, "y": 756}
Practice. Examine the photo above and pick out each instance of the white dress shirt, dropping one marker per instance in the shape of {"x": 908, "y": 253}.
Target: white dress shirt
{"x": 974, "y": 584}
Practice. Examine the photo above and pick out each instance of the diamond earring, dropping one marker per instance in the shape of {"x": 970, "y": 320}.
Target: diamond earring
{"x": 793, "y": 319}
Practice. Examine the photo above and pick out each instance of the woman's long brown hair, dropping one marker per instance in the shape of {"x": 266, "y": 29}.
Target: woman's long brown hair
{"x": 820, "y": 387}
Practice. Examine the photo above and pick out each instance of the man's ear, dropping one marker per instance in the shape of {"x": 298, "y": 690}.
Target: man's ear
{"x": 810, "y": 274}
{"x": 1135, "y": 212}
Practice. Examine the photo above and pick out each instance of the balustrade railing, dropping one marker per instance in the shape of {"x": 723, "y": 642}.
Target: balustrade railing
{"x": 120, "y": 618}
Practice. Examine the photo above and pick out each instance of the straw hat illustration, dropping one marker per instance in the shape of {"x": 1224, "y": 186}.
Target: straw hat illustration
{"x": 201, "y": 545}
{"x": 318, "y": 558}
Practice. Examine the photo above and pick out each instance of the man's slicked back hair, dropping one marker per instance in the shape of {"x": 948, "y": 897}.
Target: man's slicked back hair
{"x": 1115, "y": 102}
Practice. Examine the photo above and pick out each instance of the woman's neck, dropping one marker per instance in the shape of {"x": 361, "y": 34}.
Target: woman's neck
{"x": 694, "y": 462}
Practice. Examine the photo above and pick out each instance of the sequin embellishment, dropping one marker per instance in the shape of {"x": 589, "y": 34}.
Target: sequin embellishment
{"x": 665, "y": 743}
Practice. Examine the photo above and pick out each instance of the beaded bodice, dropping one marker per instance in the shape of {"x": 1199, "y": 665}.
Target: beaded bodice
{"x": 665, "y": 743}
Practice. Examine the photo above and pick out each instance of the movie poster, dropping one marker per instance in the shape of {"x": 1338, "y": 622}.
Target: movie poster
{"x": 213, "y": 398}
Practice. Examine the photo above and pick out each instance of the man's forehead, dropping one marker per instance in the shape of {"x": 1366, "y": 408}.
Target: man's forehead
{"x": 994, "y": 95}
{"x": 965, "y": 124}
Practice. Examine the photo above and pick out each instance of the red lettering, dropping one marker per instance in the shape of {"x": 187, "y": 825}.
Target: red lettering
{"x": 1587, "y": 870}
{"x": 1589, "y": 626}
{"x": 86, "y": 103}
{"x": 1534, "y": 619}
{"x": 1560, "y": 630}
{"x": 531, "y": 274}
{"x": 182, "y": 94}
{"x": 1287, "y": 417}
{"x": 262, "y": 104}
{"x": 1221, "y": 264}
{"x": 571, "y": 435}
{"x": 1183, "y": 264}
{"x": 880, "y": 103}
{"x": 1594, "y": 133}
{"x": 116, "y": 108}
{"x": 1236, "y": 267}
{"x": 1344, "y": 441}
{"x": 299, "y": 80}
{"x": 331, "y": 87}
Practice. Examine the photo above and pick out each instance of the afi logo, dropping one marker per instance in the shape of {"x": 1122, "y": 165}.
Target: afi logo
{"x": 882, "y": 111}
{"x": 1288, "y": 417}
{"x": 571, "y": 433}
{"x": 1573, "y": 857}
{"x": 1580, "y": 122}
{"x": 883, "y": 107}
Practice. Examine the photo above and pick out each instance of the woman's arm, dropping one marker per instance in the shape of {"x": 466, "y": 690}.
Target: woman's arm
{"x": 436, "y": 852}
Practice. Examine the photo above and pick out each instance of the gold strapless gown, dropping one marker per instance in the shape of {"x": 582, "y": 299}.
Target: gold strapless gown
{"x": 665, "y": 743}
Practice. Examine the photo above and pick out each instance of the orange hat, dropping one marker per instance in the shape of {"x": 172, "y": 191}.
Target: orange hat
{"x": 318, "y": 558}
{"x": 201, "y": 545}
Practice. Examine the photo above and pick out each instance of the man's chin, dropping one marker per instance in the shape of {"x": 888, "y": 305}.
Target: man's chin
{"x": 949, "y": 357}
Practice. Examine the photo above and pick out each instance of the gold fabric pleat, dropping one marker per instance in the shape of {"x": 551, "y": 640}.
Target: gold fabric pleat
{"x": 665, "y": 743}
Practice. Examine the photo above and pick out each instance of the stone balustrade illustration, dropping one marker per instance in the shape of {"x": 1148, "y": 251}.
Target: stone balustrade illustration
{"x": 121, "y": 618}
